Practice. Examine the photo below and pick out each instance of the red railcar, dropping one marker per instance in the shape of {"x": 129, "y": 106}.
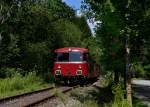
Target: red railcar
{"x": 73, "y": 64}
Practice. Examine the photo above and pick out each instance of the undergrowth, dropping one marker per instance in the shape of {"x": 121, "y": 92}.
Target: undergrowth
{"x": 102, "y": 98}
{"x": 87, "y": 103}
{"x": 119, "y": 100}
{"x": 107, "y": 90}
{"x": 138, "y": 103}
{"x": 19, "y": 84}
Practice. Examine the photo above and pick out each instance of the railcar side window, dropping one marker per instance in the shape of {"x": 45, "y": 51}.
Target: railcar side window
{"x": 85, "y": 57}
{"x": 63, "y": 57}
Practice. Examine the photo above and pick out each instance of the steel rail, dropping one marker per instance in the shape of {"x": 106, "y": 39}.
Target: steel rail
{"x": 23, "y": 94}
{"x": 8, "y": 100}
{"x": 47, "y": 98}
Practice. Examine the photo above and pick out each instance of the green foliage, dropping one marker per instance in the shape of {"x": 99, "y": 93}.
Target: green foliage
{"x": 7, "y": 72}
{"x": 118, "y": 92}
{"x": 119, "y": 100}
{"x": 19, "y": 84}
{"x": 87, "y": 103}
{"x": 107, "y": 79}
{"x": 69, "y": 34}
{"x": 147, "y": 71}
{"x": 48, "y": 77}
{"x": 31, "y": 30}
{"x": 81, "y": 22}
{"x": 140, "y": 70}
{"x": 117, "y": 19}
{"x": 138, "y": 103}
{"x": 93, "y": 45}
{"x": 103, "y": 95}
{"x": 123, "y": 103}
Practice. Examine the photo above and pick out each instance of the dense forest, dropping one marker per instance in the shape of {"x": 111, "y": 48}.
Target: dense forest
{"x": 30, "y": 30}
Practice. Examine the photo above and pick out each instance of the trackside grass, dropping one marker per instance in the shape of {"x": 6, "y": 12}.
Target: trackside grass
{"x": 20, "y": 84}
{"x": 87, "y": 103}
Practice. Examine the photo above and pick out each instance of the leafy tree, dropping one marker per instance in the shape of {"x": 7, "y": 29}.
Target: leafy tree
{"x": 119, "y": 18}
{"x": 30, "y": 30}
{"x": 121, "y": 28}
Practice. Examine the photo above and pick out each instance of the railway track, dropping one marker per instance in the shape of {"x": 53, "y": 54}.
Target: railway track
{"x": 32, "y": 98}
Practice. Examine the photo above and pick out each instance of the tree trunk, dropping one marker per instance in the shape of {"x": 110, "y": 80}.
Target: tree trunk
{"x": 129, "y": 91}
{"x": 116, "y": 76}
{"x": 128, "y": 74}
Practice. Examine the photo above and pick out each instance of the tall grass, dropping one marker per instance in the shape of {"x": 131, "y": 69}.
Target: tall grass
{"x": 18, "y": 84}
{"x": 119, "y": 100}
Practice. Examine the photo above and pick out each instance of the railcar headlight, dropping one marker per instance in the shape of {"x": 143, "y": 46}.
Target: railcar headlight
{"x": 58, "y": 72}
{"x": 59, "y": 67}
{"x": 79, "y": 72}
{"x": 80, "y": 67}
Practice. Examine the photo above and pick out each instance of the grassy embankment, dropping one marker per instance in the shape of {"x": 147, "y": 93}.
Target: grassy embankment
{"x": 17, "y": 83}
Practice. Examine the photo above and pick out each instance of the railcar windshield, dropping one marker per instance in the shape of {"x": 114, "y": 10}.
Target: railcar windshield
{"x": 71, "y": 56}
{"x": 75, "y": 56}
{"x": 62, "y": 57}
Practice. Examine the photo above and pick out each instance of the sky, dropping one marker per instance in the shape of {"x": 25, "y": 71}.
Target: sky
{"x": 73, "y": 3}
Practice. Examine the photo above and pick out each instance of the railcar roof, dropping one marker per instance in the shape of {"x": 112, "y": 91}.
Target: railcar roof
{"x": 74, "y": 49}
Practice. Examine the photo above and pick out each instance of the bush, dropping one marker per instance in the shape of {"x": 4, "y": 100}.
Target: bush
{"x": 7, "y": 72}
{"x": 48, "y": 77}
{"x": 119, "y": 100}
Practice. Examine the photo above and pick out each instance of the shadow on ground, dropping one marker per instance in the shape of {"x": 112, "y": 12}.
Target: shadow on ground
{"x": 100, "y": 94}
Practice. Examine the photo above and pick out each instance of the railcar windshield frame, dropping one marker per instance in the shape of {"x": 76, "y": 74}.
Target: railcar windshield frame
{"x": 71, "y": 56}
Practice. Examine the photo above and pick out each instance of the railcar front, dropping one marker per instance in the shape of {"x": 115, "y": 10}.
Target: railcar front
{"x": 71, "y": 64}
